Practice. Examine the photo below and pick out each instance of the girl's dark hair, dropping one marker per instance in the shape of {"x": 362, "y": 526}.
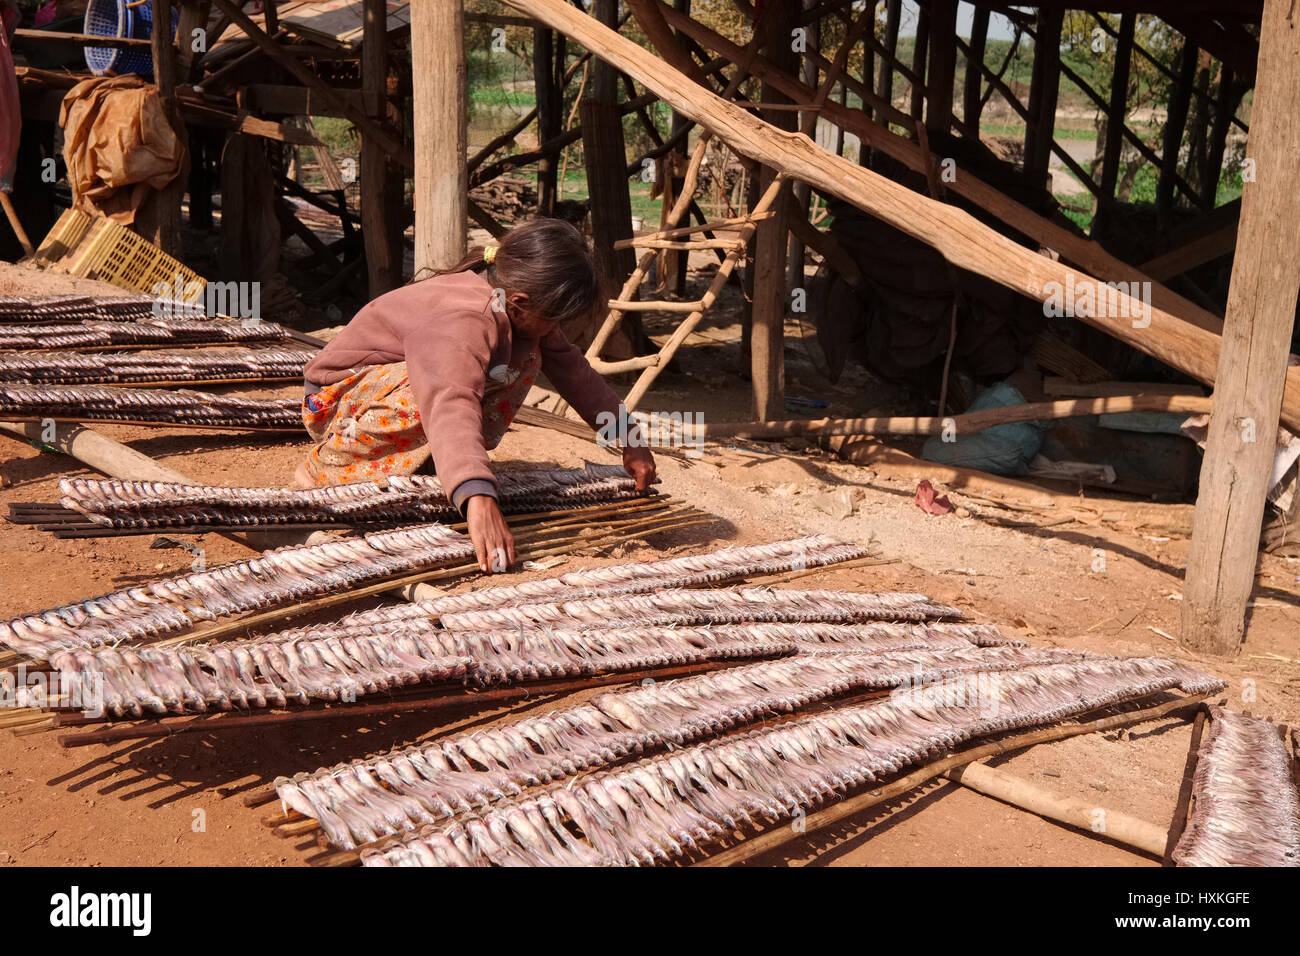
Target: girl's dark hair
{"x": 549, "y": 261}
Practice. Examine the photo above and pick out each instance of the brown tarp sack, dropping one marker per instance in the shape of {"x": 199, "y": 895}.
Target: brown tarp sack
{"x": 118, "y": 145}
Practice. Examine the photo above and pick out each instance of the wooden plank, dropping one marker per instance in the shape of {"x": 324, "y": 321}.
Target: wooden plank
{"x": 1253, "y": 361}
{"x": 439, "y": 72}
{"x": 958, "y": 236}
{"x": 1199, "y": 251}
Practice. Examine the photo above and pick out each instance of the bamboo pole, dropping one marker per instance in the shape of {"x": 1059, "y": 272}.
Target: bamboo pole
{"x": 1078, "y": 814}
{"x": 958, "y": 424}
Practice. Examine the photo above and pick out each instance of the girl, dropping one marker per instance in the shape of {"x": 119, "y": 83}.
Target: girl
{"x": 437, "y": 369}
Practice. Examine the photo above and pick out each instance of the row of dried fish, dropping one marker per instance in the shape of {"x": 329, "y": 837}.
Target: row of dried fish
{"x": 183, "y": 365}
{"x": 153, "y": 331}
{"x": 325, "y": 663}
{"x": 299, "y": 668}
{"x": 691, "y": 570}
{"x": 723, "y": 605}
{"x": 1247, "y": 807}
{"x": 156, "y": 504}
{"x": 179, "y": 407}
{"x": 78, "y": 308}
{"x": 666, "y": 806}
{"x": 276, "y": 577}
{"x": 365, "y": 800}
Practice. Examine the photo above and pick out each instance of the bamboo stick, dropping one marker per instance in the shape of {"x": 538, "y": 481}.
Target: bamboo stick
{"x": 1078, "y": 814}
{"x": 958, "y": 424}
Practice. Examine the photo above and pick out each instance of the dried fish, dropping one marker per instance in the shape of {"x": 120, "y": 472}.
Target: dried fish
{"x": 659, "y": 807}
{"x": 1247, "y": 806}
{"x": 155, "y": 504}
{"x": 121, "y": 368}
{"x": 274, "y": 578}
{"x": 181, "y": 407}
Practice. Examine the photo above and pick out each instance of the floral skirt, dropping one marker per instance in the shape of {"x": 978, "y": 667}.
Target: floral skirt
{"x": 368, "y": 425}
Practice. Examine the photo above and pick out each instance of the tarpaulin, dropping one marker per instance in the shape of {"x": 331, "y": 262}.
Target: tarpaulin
{"x": 11, "y": 120}
{"x": 118, "y": 145}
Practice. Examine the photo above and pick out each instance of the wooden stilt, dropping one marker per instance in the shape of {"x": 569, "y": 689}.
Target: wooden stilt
{"x": 920, "y": 52}
{"x": 550, "y": 117}
{"x": 973, "y": 102}
{"x": 1175, "y": 125}
{"x": 1253, "y": 359}
{"x": 1118, "y": 112}
{"x": 606, "y": 161}
{"x": 438, "y": 72}
{"x": 943, "y": 65}
{"x": 381, "y": 179}
{"x": 1042, "y": 97}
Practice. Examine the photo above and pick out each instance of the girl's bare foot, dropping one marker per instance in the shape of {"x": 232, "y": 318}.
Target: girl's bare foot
{"x": 302, "y": 478}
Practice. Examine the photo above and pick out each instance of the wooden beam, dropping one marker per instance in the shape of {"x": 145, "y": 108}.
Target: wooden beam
{"x": 1199, "y": 251}
{"x": 651, "y": 20}
{"x": 962, "y": 239}
{"x": 438, "y": 71}
{"x": 1253, "y": 361}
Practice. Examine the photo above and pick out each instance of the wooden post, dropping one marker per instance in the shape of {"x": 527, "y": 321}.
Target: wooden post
{"x": 1118, "y": 112}
{"x": 549, "y": 118}
{"x": 1180, "y": 99}
{"x": 1225, "y": 105}
{"x": 1253, "y": 358}
{"x": 767, "y": 337}
{"x": 973, "y": 103}
{"x": 438, "y": 75}
{"x": 1042, "y": 96}
{"x": 605, "y": 155}
{"x": 943, "y": 65}
{"x": 885, "y": 79}
{"x": 165, "y": 222}
{"x": 381, "y": 179}
{"x": 801, "y": 193}
{"x": 919, "y": 54}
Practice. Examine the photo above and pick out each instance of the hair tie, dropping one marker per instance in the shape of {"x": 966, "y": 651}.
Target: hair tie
{"x": 489, "y": 253}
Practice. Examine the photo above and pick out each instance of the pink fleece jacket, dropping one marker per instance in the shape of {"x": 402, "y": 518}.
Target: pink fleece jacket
{"x": 449, "y": 336}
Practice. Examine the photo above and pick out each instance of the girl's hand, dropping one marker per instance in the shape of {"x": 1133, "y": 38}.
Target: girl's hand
{"x": 494, "y": 545}
{"x": 640, "y": 464}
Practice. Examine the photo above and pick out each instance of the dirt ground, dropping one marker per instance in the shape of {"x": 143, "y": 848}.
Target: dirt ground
{"x": 176, "y": 801}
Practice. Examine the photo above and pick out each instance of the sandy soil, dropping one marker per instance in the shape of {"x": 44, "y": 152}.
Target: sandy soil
{"x": 175, "y": 801}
